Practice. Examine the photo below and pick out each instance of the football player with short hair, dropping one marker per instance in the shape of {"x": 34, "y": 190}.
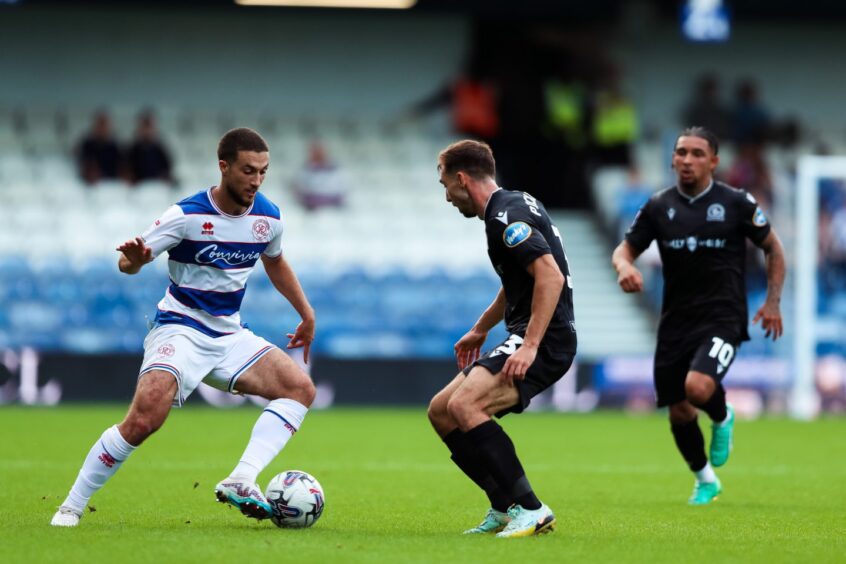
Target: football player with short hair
{"x": 536, "y": 302}
{"x": 213, "y": 240}
{"x": 701, "y": 226}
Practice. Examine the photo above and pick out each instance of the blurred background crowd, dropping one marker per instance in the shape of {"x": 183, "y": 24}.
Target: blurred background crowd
{"x": 110, "y": 113}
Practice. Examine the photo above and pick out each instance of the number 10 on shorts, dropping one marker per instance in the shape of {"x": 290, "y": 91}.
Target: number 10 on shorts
{"x": 722, "y": 351}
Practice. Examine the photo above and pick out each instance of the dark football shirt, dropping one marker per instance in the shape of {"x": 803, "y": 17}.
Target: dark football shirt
{"x": 702, "y": 242}
{"x": 519, "y": 231}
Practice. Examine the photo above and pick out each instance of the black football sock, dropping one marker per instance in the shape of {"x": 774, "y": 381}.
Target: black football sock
{"x": 715, "y": 407}
{"x": 691, "y": 444}
{"x": 497, "y": 451}
{"x": 467, "y": 458}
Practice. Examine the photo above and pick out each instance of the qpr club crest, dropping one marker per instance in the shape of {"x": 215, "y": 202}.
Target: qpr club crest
{"x": 261, "y": 230}
{"x": 166, "y": 350}
{"x": 716, "y": 212}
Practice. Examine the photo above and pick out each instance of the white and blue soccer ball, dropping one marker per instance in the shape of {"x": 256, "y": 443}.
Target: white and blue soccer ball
{"x": 296, "y": 498}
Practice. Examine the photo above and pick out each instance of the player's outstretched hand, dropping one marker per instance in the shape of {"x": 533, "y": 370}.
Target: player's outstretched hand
{"x": 468, "y": 348}
{"x": 302, "y": 337}
{"x": 137, "y": 253}
{"x": 630, "y": 279}
{"x": 518, "y": 364}
{"x": 770, "y": 317}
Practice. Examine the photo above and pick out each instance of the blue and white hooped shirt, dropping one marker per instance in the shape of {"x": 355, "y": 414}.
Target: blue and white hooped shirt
{"x": 210, "y": 257}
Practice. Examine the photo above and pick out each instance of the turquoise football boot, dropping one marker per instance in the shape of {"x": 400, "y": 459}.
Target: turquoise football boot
{"x": 722, "y": 438}
{"x": 705, "y": 492}
{"x": 494, "y": 522}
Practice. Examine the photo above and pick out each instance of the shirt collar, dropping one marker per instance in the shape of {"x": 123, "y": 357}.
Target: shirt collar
{"x": 485, "y": 212}
{"x": 698, "y": 196}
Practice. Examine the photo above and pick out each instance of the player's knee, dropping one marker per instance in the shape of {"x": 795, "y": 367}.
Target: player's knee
{"x": 458, "y": 408}
{"x": 698, "y": 391}
{"x": 136, "y": 430}
{"x": 302, "y": 390}
{"x": 308, "y": 392}
{"x": 681, "y": 413}
{"x": 437, "y": 411}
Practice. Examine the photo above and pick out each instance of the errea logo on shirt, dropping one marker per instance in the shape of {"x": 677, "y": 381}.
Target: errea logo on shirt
{"x": 516, "y": 233}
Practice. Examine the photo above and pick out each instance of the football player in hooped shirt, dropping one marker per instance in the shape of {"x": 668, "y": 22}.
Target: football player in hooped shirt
{"x": 213, "y": 240}
{"x": 536, "y": 302}
{"x": 701, "y": 227}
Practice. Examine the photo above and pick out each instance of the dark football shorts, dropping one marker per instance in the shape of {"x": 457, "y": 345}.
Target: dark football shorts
{"x": 549, "y": 366}
{"x": 711, "y": 354}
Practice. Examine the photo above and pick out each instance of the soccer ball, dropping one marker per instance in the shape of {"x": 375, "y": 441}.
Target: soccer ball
{"x": 296, "y": 498}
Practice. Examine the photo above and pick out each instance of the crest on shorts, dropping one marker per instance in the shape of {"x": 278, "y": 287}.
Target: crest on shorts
{"x": 166, "y": 350}
{"x": 261, "y": 230}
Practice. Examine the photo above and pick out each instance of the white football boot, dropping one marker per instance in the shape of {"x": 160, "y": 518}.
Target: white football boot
{"x": 528, "y": 522}
{"x": 66, "y": 517}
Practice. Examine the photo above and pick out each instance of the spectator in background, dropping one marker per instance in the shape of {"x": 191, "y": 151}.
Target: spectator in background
{"x": 614, "y": 125}
{"x": 751, "y": 121}
{"x": 474, "y": 107}
{"x": 472, "y": 99}
{"x": 706, "y": 107}
{"x": 565, "y": 139}
{"x": 320, "y": 183}
{"x": 751, "y": 172}
{"x": 98, "y": 154}
{"x": 148, "y": 158}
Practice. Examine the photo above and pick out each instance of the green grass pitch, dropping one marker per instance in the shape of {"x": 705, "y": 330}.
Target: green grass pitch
{"x": 615, "y": 482}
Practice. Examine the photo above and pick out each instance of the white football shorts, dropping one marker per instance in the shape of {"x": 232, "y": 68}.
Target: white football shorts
{"x": 193, "y": 357}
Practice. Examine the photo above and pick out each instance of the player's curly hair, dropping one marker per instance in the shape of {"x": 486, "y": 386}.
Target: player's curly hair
{"x": 472, "y": 157}
{"x": 702, "y": 133}
{"x": 240, "y": 139}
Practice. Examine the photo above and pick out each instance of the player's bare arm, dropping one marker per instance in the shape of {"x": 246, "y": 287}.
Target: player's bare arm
{"x": 468, "y": 348}
{"x": 285, "y": 281}
{"x": 628, "y": 276}
{"x": 770, "y": 313}
{"x": 134, "y": 254}
{"x": 549, "y": 282}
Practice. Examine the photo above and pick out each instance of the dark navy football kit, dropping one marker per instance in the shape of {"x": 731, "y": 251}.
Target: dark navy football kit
{"x": 702, "y": 243}
{"x": 519, "y": 231}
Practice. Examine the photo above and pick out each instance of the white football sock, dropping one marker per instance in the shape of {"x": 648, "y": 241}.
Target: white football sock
{"x": 706, "y": 474}
{"x": 103, "y": 460}
{"x": 275, "y": 426}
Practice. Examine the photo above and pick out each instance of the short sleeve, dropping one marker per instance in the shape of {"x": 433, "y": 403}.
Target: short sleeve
{"x": 522, "y": 240}
{"x": 753, "y": 221}
{"x": 274, "y": 246}
{"x": 641, "y": 233}
{"x": 166, "y": 232}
